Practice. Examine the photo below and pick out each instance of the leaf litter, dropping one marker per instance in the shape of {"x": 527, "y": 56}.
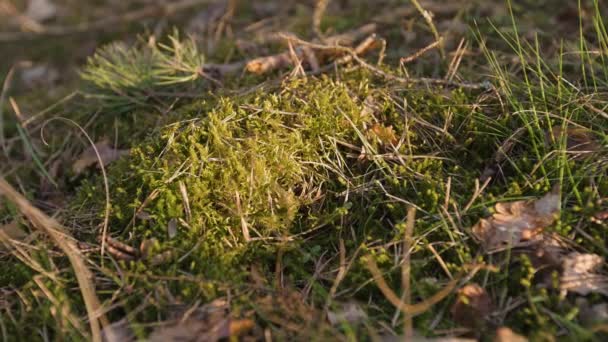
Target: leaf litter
{"x": 580, "y": 274}
{"x": 89, "y": 157}
{"x": 472, "y": 307}
{"x": 515, "y": 224}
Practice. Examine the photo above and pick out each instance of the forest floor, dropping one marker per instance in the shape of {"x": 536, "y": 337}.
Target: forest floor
{"x": 303, "y": 170}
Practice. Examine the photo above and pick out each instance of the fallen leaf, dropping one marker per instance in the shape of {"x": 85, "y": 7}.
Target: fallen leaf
{"x": 11, "y": 231}
{"x": 546, "y": 257}
{"x": 504, "y": 334}
{"x": 41, "y": 10}
{"x": 472, "y": 307}
{"x": 579, "y": 274}
{"x": 119, "y": 331}
{"x": 516, "y": 222}
{"x": 600, "y": 217}
{"x": 577, "y": 139}
{"x": 385, "y": 134}
{"x": 591, "y": 315}
{"x": 418, "y": 337}
{"x": 211, "y": 322}
{"x": 349, "y": 312}
{"x": 88, "y": 157}
{"x": 39, "y": 75}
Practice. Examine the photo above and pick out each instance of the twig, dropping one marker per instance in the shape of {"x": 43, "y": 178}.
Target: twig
{"x": 317, "y": 17}
{"x": 424, "y": 80}
{"x": 429, "y": 20}
{"x": 417, "y": 54}
{"x": 331, "y": 49}
{"x": 65, "y": 242}
{"x": 111, "y": 23}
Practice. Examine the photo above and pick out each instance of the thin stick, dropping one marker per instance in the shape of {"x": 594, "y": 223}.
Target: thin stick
{"x": 65, "y": 242}
{"x": 406, "y": 270}
{"x": 417, "y": 54}
{"x": 429, "y": 20}
{"x": 317, "y": 17}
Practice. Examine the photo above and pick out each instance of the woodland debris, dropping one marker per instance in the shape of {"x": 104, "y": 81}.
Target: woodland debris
{"x": 11, "y": 231}
{"x": 41, "y": 10}
{"x": 591, "y": 314}
{"x": 600, "y": 217}
{"x": 351, "y": 313}
{"x": 212, "y": 322}
{"x": 107, "y": 23}
{"x": 311, "y": 54}
{"x": 39, "y": 75}
{"x": 504, "y": 334}
{"x": 385, "y": 135}
{"x": 579, "y": 140}
{"x": 122, "y": 251}
{"x": 580, "y": 274}
{"x": 472, "y": 307}
{"x": 65, "y": 242}
{"x": 407, "y": 309}
{"x": 119, "y": 331}
{"x": 515, "y": 223}
{"x": 102, "y": 153}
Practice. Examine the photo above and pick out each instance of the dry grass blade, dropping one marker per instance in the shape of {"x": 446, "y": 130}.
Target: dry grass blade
{"x": 62, "y": 239}
{"x": 406, "y": 269}
{"x": 407, "y": 309}
{"x": 320, "y": 8}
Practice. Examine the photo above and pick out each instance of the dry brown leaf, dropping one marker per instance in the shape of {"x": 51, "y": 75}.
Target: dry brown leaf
{"x": 580, "y": 274}
{"x": 384, "y": 134}
{"x": 88, "y": 157}
{"x": 504, "y": 334}
{"x": 600, "y": 217}
{"x": 41, "y": 10}
{"x": 12, "y": 231}
{"x": 119, "y": 331}
{"x": 472, "y": 307}
{"x": 577, "y": 139}
{"x": 212, "y": 322}
{"x": 516, "y": 222}
{"x": 591, "y": 314}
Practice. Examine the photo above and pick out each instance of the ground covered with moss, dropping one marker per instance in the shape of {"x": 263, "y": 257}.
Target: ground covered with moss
{"x": 358, "y": 194}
